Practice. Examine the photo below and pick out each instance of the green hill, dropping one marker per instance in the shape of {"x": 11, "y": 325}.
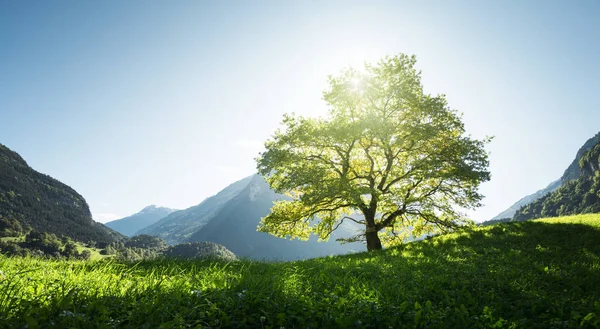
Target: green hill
{"x": 571, "y": 173}
{"x": 29, "y": 199}
{"x": 578, "y": 196}
{"x": 534, "y": 274}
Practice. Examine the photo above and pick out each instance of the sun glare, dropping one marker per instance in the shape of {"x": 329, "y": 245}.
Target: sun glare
{"x": 357, "y": 84}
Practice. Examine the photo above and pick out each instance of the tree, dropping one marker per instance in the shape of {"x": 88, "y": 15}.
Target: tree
{"x": 145, "y": 241}
{"x": 387, "y": 151}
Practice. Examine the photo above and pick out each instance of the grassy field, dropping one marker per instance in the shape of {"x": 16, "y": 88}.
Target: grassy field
{"x": 95, "y": 253}
{"x": 539, "y": 274}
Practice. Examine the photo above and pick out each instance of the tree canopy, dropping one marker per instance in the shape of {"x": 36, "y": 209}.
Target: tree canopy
{"x": 388, "y": 156}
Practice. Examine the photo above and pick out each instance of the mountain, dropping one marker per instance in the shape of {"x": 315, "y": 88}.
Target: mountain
{"x": 510, "y": 212}
{"x": 571, "y": 173}
{"x": 235, "y": 227}
{"x": 230, "y": 218}
{"x": 180, "y": 225}
{"x": 147, "y": 216}
{"x": 578, "y": 196}
{"x": 31, "y": 199}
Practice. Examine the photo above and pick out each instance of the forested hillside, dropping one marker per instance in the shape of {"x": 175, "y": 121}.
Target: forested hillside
{"x": 31, "y": 200}
{"x": 574, "y": 197}
{"x": 571, "y": 173}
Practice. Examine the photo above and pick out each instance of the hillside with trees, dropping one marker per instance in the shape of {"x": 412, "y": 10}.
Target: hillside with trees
{"x": 578, "y": 196}
{"x": 30, "y": 201}
{"x": 571, "y": 173}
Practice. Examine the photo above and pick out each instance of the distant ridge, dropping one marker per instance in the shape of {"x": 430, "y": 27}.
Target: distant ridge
{"x": 230, "y": 218}
{"x": 46, "y": 205}
{"x": 178, "y": 226}
{"x": 131, "y": 224}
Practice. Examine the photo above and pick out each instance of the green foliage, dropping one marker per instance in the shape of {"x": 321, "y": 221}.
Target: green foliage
{"x": 145, "y": 241}
{"x": 143, "y": 248}
{"x": 41, "y": 202}
{"x": 42, "y": 244}
{"x": 199, "y": 250}
{"x": 574, "y": 170}
{"x": 535, "y": 274}
{"x": 388, "y": 150}
{"x": 574, "y": 197}
{"x": 10, "y": 227}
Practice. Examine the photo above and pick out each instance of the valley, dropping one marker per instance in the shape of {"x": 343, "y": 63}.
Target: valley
{"x": 299, "y": 165}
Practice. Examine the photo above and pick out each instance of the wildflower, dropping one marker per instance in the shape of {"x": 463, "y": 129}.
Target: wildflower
{"x": 262, "y": 319}
{"x": 196, "y": 292}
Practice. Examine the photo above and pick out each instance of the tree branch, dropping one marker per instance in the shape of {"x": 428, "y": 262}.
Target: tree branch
{"x": 340, "y": 223}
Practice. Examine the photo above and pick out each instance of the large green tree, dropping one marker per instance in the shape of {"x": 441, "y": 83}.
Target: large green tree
{"x": 388, "y": 156}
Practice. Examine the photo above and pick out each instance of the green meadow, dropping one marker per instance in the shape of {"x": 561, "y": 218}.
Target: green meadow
{"x": 535, "y": 274}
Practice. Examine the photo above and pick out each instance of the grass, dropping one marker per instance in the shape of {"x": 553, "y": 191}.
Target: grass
{"x": 94, "y": 252}
{"x": 12, "y": 238}
{"x": 538, "y": 274}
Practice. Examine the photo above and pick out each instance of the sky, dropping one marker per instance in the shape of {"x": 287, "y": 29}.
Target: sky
{"x": 134, "y": 103}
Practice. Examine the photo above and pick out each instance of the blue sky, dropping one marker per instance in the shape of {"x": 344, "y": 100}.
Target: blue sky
{"x": 153, "y": 102}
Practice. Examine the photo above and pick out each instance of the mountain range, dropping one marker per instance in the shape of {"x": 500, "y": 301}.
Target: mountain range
{"x": 230, "y": 218}
{"x": 29, "y": 199}
{"x": 130, "y": 225}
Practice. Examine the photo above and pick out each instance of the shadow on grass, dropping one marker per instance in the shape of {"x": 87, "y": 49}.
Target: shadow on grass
{"x": 529, "y": 274}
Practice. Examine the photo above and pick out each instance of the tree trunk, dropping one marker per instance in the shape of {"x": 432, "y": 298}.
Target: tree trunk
{"x": 373, "y": 242}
